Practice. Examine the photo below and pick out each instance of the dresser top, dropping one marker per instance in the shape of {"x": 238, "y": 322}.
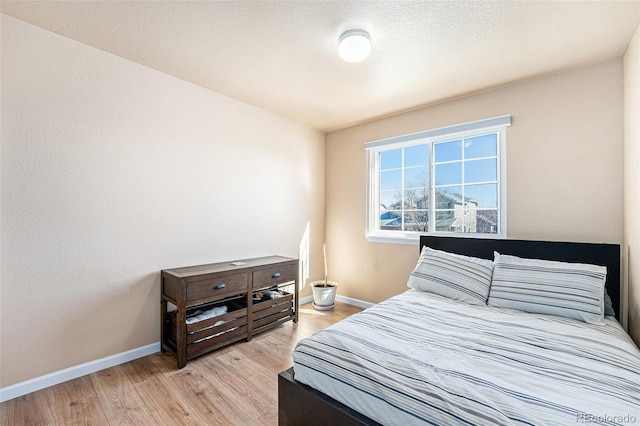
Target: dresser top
{"x": 231, "y": 265}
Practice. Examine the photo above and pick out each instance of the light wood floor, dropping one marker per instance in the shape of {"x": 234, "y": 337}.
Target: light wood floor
{"x": 236, "y": 385}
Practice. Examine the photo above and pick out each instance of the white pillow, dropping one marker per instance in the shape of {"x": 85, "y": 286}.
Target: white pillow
{"x": 572, "y": 290}
{"x": 452, "y": 275}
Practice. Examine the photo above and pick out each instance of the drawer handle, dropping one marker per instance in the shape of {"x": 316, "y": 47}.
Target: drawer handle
{"x": 220, "y": 286}
{"x": 275, "y": 275}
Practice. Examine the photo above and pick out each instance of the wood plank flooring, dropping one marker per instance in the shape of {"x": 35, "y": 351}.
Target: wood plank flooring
{"x": 235, "y": 385}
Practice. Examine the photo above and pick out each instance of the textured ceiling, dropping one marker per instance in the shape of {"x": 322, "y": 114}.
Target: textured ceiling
{"x": 282, "y": 55}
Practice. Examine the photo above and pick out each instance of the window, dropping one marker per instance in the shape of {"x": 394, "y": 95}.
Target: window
{"x": 449, "y": 180}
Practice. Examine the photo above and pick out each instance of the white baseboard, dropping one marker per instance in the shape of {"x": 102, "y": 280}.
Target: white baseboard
{"x": 356, "y": 302}
{"x": 305, "y": 300}
{"x": 74, "y": 372}
{"x": 351, "y": 301}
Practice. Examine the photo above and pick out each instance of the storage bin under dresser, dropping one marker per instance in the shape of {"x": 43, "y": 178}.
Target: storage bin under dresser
{"x": 258, "y": 294}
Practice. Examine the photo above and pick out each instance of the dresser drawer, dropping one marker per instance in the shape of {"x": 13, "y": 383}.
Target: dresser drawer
{"x": 275, "y": 275}
{"x": 217, "y": 288}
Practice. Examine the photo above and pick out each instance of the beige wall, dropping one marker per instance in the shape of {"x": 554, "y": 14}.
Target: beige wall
{"x": 632, "y": 181}
{"x": 565, "y": 180}
{"x": 112, "y": 171}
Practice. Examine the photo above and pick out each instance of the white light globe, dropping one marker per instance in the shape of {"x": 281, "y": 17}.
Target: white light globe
{"x": 355, "y": 46}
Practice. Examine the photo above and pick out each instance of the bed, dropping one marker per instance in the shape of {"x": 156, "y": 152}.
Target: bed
{"x": 427, "y": 358}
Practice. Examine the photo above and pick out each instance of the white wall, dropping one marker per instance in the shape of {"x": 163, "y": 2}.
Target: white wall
{"x": 564, "y": 171}
{"x": 632, "y": 181}
{"x": 111, "y": 172}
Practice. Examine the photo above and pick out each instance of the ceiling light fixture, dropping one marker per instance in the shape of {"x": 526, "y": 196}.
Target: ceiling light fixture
{"x": 354, "y": 46}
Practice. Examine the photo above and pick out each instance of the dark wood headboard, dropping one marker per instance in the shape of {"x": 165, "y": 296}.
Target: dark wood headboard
{"x": 597, "y": 254}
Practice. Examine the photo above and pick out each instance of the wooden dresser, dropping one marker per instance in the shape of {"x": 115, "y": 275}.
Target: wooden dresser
{"x": 246, "y": 296}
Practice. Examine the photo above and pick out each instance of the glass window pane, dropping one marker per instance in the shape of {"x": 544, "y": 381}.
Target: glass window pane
{"x": 391, "y": 180}
{"x": 481, "y": 146}
{"x": 391, "y": 220}
{"x": 416, "y": 156}
{"x": 390, "y": 200}
{"x": 416, "y": 177}
{"x": 487, "y": 221}
{"x": 448, "y": 174}
{"x": 481, "y": 221}
{"x": 483, "y": 196}
{"x": 480, "y": 170}
{"x": 416, "y": 198}
{"x": 448, "y": 151}
{"x": 391, "y": 159}
{"x": 416, "y": 220}
{"x": 446, "y": 221}
{"x": 449, "y": 197}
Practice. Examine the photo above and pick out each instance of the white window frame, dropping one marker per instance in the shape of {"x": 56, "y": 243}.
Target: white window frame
{"x": 475, "y": 128}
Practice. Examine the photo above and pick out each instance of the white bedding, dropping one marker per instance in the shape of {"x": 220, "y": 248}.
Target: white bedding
{"x": 421, "y": 358}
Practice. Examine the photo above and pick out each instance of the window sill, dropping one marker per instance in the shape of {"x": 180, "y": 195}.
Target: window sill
{"x": 415, "y": 239}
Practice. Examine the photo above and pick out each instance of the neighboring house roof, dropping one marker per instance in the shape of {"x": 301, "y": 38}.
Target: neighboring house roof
{"x": 390, "y": 219}
{"x": 453, "y": 197}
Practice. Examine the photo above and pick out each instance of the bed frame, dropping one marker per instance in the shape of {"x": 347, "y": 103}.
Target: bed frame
{"x": 299, "y": 404}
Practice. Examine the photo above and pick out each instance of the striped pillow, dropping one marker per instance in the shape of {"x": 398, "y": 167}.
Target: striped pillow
{"x": 452, "y": 275}
{"x": 572, "y": 290}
